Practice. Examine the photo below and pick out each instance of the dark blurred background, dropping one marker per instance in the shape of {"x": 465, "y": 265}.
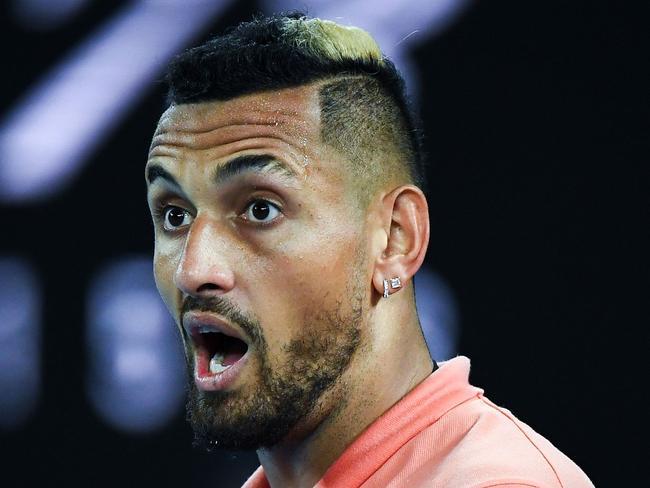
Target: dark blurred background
{"x": 536, "y": 123}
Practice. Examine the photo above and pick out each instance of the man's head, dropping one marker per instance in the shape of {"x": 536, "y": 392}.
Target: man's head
{"x": 281, "y": 185}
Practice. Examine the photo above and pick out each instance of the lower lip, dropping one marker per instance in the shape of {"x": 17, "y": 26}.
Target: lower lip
{"x": 205, "y": 380}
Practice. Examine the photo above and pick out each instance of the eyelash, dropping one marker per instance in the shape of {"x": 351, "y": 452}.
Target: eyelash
{"x": 159, "y": 209}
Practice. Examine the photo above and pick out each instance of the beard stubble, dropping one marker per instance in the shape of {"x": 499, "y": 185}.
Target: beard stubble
{"x": 265, "y": 415}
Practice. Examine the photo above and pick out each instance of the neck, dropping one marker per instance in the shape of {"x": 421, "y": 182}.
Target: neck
{"x": 378, "y": 377}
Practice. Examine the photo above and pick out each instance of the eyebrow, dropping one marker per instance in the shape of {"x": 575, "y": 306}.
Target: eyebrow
{"x": 251, "y": 163}
{"x": 234, "y": 167}
{"x": 156, "y": 171}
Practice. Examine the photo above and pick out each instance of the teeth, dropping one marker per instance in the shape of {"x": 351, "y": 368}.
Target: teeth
{"x": 216, "y": 365}
{"x": 205, "y": 329}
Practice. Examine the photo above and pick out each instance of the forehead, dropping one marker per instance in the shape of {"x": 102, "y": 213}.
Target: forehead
{"x": 291, "y": 116}
{"x": 192, "y": 140}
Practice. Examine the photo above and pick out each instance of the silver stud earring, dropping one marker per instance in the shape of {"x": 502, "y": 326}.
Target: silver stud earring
{"x": 394, "y": 284}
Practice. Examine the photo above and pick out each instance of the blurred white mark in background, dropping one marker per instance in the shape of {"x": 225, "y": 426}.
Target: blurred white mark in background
{"x": 48, "y": 136}
{"x": 20, "y": 340}
{"x": 438, "y": 314}
{"x": 136, "y": 374}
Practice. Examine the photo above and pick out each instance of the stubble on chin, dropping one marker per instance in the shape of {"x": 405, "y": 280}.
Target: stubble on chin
{"x": 263, "y": 414}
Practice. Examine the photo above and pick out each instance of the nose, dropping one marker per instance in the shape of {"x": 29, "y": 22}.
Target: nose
{"x": 203, "y": 269}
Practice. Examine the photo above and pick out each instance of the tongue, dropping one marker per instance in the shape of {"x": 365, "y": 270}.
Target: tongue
{"x": 231, "y": 358}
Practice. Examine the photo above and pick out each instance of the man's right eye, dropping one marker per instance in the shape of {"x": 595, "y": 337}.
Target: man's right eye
{"x": 175, "y": 217}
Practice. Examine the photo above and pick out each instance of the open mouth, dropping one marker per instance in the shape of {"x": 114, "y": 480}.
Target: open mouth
{"x": 218, "y": 350}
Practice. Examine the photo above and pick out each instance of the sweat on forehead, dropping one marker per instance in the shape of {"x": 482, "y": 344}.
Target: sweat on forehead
{"x": 286, "y": 106}
{"x": 295, "y": 110}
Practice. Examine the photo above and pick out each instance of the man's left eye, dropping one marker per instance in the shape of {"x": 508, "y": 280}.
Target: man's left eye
{"x": 261, "y": 211}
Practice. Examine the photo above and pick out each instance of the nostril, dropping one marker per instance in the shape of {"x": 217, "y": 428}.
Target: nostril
{"x": 207, "y": 287}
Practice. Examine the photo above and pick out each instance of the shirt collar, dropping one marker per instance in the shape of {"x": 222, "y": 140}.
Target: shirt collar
{"x": 444, "y": 389}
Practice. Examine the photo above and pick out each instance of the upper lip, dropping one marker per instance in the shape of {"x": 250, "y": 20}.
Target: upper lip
{"x": 196, "y": 323}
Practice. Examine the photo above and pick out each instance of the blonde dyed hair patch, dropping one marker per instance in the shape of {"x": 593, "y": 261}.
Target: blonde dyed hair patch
{"x": 332, "y": 41}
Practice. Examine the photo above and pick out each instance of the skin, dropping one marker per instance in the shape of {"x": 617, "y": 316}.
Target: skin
{"x": 301, "y": 262}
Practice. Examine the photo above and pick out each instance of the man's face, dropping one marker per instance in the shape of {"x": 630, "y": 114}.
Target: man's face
{"x": 260, "y": 257}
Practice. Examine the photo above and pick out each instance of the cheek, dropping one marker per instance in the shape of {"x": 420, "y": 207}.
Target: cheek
{"x": 164, "y": 267}
{"x": 304, "y": 280}
{"x": 321, "y": 256}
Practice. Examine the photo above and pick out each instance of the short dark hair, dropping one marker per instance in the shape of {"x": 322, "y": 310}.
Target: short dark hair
{"x": 364, "y": 107}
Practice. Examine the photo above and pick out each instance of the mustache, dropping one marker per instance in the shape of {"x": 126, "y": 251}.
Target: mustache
{"x": 228, "y": 310}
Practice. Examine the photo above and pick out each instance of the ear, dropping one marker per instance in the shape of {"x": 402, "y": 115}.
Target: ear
{"x": 405, "y": 221}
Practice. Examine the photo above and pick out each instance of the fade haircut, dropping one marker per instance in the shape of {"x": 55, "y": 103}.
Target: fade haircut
{"x": 364, "y": 109}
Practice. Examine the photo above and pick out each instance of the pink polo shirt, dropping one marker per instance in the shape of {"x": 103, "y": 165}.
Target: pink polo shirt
{"x": 445, "y": 433}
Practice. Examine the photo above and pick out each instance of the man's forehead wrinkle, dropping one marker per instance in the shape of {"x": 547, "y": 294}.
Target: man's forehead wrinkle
{"x": 263, "y": 107}
{"x": 241, "y": 118}
{"x": 202, "y": 119}
{"x": 164, "y": 147}
{"x": 275, "y": 155}
{"x": 220, "y": 134}
{"x": 165, "y": 151}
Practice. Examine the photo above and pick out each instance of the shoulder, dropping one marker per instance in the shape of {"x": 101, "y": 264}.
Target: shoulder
{"x": 480, "y": 445}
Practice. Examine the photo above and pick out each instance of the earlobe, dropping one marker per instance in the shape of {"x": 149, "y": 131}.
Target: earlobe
{"x": 391, "y": 284}
{"x": 407, "y": 226}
